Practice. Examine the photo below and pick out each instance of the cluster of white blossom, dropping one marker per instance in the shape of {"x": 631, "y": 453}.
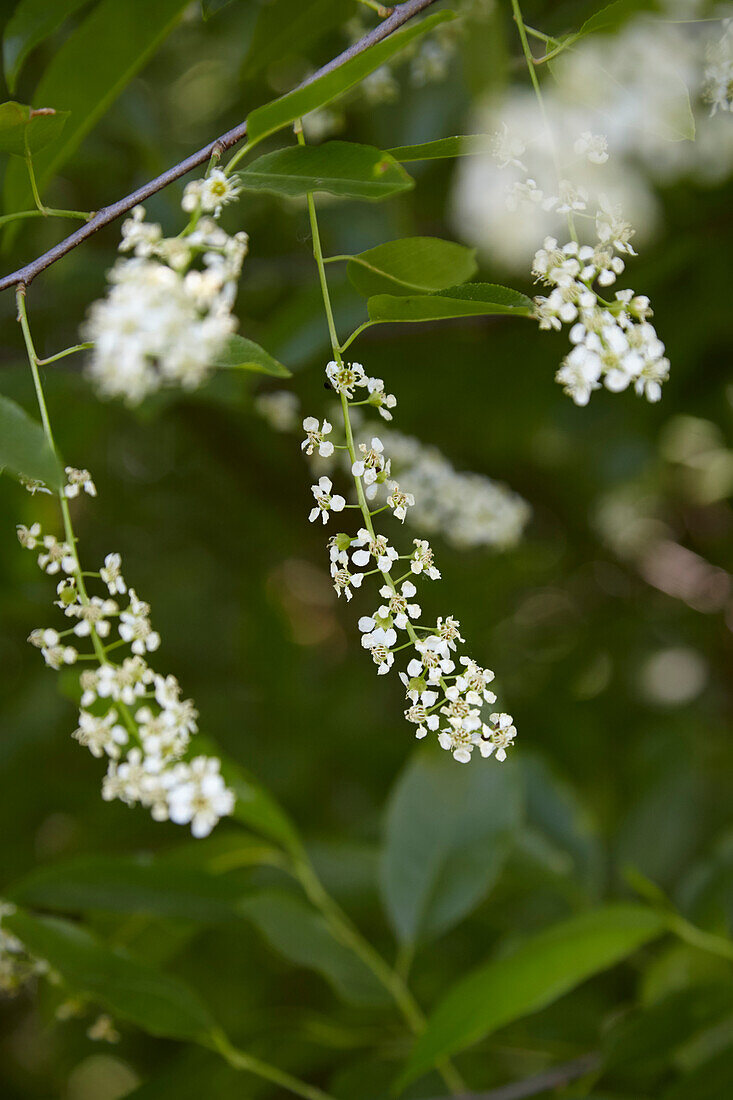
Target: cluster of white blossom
{"x": 468, "y": 509}
{"x": 656, "y": 89}
{"x": 130, "y": 715}
{"x": 614, "y": 342}
{"x": 17, "y": 968}
{"x": 445, "y": 692}
{"x": 168, "y": 313}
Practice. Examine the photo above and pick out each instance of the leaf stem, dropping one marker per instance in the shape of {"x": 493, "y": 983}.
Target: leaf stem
{"x": 239, "y": 1059}
{"x": 64, "y": 353}
{"x": 355, "y": 333}
{"x": 47, "y": 211}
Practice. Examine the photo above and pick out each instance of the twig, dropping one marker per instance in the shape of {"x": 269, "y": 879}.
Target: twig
{"x": 542, "y": 1082}
{"x": 25, "y": 275}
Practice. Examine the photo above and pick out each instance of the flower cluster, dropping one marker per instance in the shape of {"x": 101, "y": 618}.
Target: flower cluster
{"x": 445, "y": 692}
{"x": 130, "y": 715}
{"x": 613, "y": 341}
{"x": 468, "y": 509}
{"x": 165, "y": 319}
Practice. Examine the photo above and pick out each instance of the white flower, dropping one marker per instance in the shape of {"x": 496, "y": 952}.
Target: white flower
{"x": 398, "y": 605}
{"x": 398, "y": 501}
{"x": 112, "y": 576}
{"x": 372, "y": 462}
{"x": 377, "y": 548}
{"x": 500, "y": 733}
{"x": 92, "y": 615}
{"x": 138, "y": 236}
{"x": 211, "y": 193}
{"x": 421, "y": 560}
{"x": 379, "y": 642}
{"x": 199, "y": 795}
{"x": 344, "y": 377}
{"x": 594, "y": 147}
{"x": 28, "y": 537}
{"x": 78, "y": 480}
{"x": 279, "y": 409}
{"x": 135, "y": 626}
{"x": 383, "y": 402}
{"x": 579, "y": 374}
{"x": 101, "y": 735}
{"x": 325, "y": 502}
{"x": 56, "y": 556}
{"x": 316, "y": 437}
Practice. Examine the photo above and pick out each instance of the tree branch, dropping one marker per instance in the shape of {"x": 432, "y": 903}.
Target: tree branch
{"x": 107, "y": 214}
{"x": 542, "y": 1082}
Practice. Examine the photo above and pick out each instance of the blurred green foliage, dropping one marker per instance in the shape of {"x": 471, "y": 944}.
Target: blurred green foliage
{"x": 615, "y": 663}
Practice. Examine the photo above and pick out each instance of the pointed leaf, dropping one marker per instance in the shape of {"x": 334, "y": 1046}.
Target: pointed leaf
{"x": 25, "y": 130}
{"x": 338, "y": 167}
{"x": 87, "y": 74}
{"x": 128, "y": 885}
{"x": 460, "y": 145}
{"x": 281, "y": 112}
{"x": 422, "y": 264}
{"x": 31, "y": 22}
{"x": 158, "y": 1003}
{"x": 534, "y": 975}
{"x": 24, "y": 449}
{"x": 446, "y": 837}
{"x": 243, "y": 354}
{"x": 301, "y": 934}
{"x": 472, "y": 300}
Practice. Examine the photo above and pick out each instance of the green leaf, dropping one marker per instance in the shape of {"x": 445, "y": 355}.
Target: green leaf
{"x": 31, "y": 22}
{"x": 118, "y": 884}
{"x": 473, "y": 300}
{"x": 338, "y": 167}
{"x": 422, "y": 264}
{"x": 553, "y": 808}
{"x": 298, "y": 932}
{"x": 87, "y": 74}
{"x": 24, "y": 449}
{"x": 534, "y": 975}
{"x": 461, "y": 145}
{"x": 710, "y": 1081}
{"x": 447, "y": 832}
{"x": 25, "y": 130}
{"x": 243, "y": 354}
{"x": 281, "y": 112}
{"x": 286, "y": 27}
{"x": 158, "y": 1003}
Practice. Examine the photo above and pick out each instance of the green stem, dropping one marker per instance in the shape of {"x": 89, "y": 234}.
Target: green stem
{"x": 47, "y": 211}
{"x": 64, "y": 353}
{"x": 69, "y": 535}
{"x": 355, "y": 333}
{"x": 239, "y": 1059}
{"x": 34, "y": 185}
{"x": 234, "y": 161}
{"x": 340, "y": 924}
{"x": 529, "y": 57}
